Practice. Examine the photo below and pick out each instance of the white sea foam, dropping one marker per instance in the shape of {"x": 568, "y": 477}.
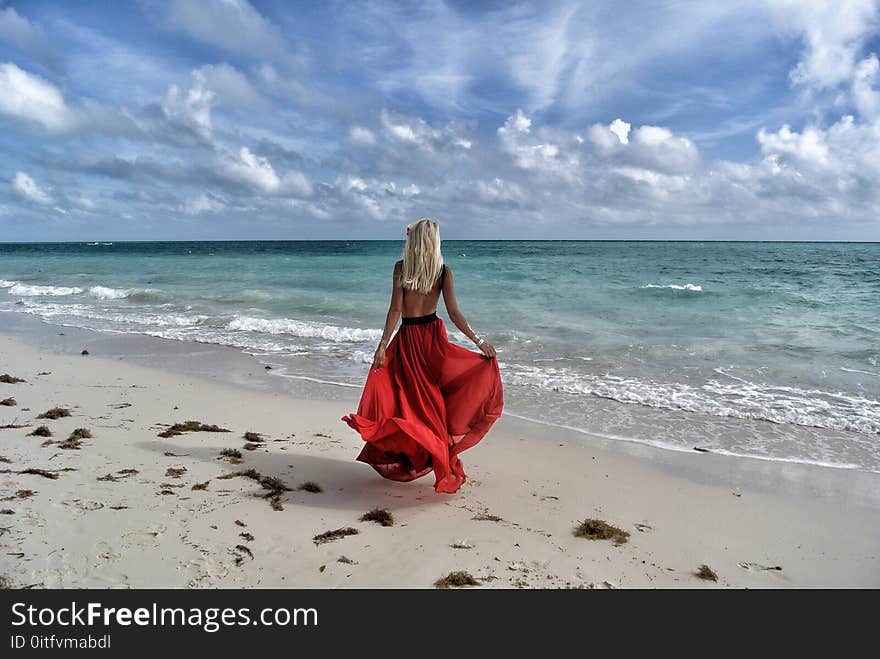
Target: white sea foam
{"x": 55, "y": 310}
{"x": 739, "y": 399}
{"x": 106, "y": 293}
{"x": 855, "y": 370}
{"x": 677, "y": 287}
{"x": 30, "y": 290}
{"x": 5, "y": 283}
{"x": 304, "y": 329}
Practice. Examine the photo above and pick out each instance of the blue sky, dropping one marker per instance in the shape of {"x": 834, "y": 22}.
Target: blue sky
{"x": 228, "y": 119}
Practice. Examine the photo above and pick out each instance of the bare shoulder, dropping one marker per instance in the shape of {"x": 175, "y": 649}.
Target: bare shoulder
{"x": 398, "y": 265}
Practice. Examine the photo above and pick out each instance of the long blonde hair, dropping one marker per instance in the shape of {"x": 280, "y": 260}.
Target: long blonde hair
{"x": 422, "y": 260}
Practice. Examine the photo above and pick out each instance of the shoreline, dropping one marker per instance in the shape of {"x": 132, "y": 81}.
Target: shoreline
{"x": 233, "y": 365}
{"x": 681, "y": 510}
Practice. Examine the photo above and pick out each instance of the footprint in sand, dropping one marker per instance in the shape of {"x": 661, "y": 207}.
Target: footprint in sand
{"x": 105, "y": 552}
{"x": 83, "y": 505}
{"x": 203, "y": 572}
{"x": 146, "y": 537}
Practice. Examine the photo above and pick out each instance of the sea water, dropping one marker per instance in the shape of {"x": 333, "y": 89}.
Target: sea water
{"x": 770, "y": 350}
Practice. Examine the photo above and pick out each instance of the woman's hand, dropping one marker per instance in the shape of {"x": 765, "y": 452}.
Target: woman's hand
{"x": 487, "y": 349}
{"x": 379, "y": 357}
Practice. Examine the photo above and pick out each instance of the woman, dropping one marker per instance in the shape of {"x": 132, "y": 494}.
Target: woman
{"x": 426, "y": 400}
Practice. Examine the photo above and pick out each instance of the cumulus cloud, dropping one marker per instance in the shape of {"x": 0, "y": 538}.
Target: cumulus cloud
{"x": 833, "y": 31}
{"x": 28, "y": 189}
{"x": 807, "y": 147}
{"x": 37, "y": 103}
{"x": 417, "y": 132}
{"x": 213, "y": 85}
{"x": 31, "y": 99}
{"x": 620, "y": 129}
{"x": 257, "y": 173}
{"x": 192, "y": 107}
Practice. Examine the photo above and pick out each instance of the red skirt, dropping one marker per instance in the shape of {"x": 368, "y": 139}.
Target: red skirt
{"x": 429, "y": 401}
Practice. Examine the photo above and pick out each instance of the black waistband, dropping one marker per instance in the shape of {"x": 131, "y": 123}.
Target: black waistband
{"x": 419, "y": 320}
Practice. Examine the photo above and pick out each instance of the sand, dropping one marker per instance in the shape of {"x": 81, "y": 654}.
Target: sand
{"x": 130, "y": 509}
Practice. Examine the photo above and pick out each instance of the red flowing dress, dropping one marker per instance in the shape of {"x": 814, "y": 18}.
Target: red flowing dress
{"x": 429, "y": 401}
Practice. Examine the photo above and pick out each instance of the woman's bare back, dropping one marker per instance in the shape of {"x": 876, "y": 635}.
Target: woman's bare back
{"x": 421, "y": 304}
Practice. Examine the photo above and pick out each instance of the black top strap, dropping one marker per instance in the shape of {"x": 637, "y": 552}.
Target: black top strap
{"x": 442, "y": 276}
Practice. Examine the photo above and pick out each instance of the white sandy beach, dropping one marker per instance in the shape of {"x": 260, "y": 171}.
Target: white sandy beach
{"x": 145, "y": 525}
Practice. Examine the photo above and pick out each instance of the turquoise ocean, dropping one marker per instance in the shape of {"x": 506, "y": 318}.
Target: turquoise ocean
{"x": 767, "y": 350}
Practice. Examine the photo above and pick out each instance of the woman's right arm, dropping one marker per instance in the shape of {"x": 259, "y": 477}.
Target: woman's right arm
{"x": 395, "y": 309}
{"x": 458, "y": 318}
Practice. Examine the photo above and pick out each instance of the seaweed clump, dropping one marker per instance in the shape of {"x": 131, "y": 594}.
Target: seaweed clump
{"x": 485, "y": 517}
{"x": 378, "y": 515}
{"x": 458, "y": 579}
{"x": 42, "y": 431}
{"x": 190, "y": 426}
{"x": 336, "y": 534}
{"x": 54, "y": 413}
{"x": 9, "y": 379}
{"x": 596, "y": 529}
{"x": 75, "y": 439}
{"x": 310, "y": 486}
{"x": 8, "y": 402}
{"x": 706, "y": 573}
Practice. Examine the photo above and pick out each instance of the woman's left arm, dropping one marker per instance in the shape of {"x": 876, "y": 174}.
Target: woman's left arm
{"x": 394, "y": 311}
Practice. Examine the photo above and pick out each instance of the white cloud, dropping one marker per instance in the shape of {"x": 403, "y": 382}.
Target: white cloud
{"x": 30, "y": 98}
{"x": 417, "y": 132}
{"x": 213, "y": 85}
{"x": 834, "y": 31}
{"x": 354, "y": 183}
{"x": 258, "y": 174}
{"x": 621, "y": 129}
{"x": 516, "y": 123}
{"x": 234, "y": 25}
{"x": 254, "y": 171}
{"x": 361, "y": 135}
{"x": 204, "y": 203}
{"x": 192, "y": 107}
{"x": 865, "y": 97}
{"x": 401, "y": 130}
{"x": 27, "y": 188}
{"x": 807, "y": 147}
{"x": 536, "y": 150}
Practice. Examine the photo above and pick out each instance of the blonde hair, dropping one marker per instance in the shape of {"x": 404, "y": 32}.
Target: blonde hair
{"x": 422, "y": 260}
